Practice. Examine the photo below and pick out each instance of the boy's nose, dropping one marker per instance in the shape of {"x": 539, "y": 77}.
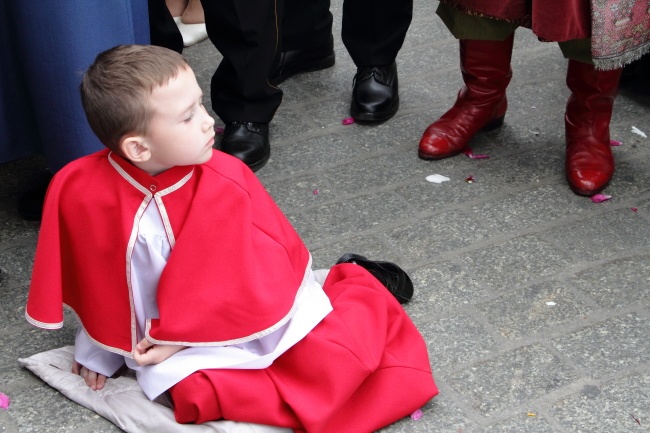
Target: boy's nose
{"x": 208, "y": 123}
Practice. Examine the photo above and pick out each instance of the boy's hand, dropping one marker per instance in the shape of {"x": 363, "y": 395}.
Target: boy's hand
{"x": 148, "y": 353}
{"x": 94, "y": 380}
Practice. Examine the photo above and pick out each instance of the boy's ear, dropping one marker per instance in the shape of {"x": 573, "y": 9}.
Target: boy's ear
{"x": 135, "y": 148}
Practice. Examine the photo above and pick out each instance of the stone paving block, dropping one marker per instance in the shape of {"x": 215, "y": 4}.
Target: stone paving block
{"x": 374, "y": 172}
{"x": 522, "y": 423}
{"x": 414, "y": 95}
{"x": 526, "y": 209}
{"x": 516, "y": 261}
{"x": 330, "y": 114}
{"x": 295, "y": 123}
{"x": 534, "y": 310}
{"x": 539, "y": 103}
{"x": 295, "y": 93}
{"x": 424, "y": 30}
{"x": 542, "y": 131}
{"x": 630, "y": 109}
{"x": 643, "y": 209}
{"x": 7, "y": 424}
{"x": 45, "y": 410}
{"x": 632, "y": 393}
{"x": 401, "y": 134}
{"x": 12, "y": 228}
{"x": 454, "y": 341}
{"x": 613, "y": 407}
{"x": 359, "y": 213}
{"x": 371, "y": 247}
{"x": 401, "y": 131}
{"x": 608, "y": 347}
{"x": 426, "y": 196}
{"x": 617, "y": 284}
{"x": 511, "y": 380}
{"x": 411, "y": 60}
{"x": 630, "y": 178}
{"x": 26, "y": 341}
{"x": 12, "y": 304}
{"x": 16, "y": 261}
{"x": 603, "y": 236}
{"x": 447, "y": 286}
{"x": 521, "y": 162}
{"x": 445, "y": 88}
{"x": 441, "y": 415}
{"x": 436, "y": 234}
{"x": 14, "y": 376}
{"x": 300, "y": 192}
{"x": 333, "y": 83}
{"x": 537, "y": 80}
{"x": 315, "y": 153}
{"x": 310, "y": 234}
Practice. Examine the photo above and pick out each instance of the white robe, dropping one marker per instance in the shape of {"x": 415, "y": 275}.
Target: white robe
{"x": 148, "y": 260}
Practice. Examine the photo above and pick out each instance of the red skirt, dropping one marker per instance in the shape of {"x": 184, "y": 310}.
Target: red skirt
{"x": 363, "y": 367}
{"x": 550, "y": 20}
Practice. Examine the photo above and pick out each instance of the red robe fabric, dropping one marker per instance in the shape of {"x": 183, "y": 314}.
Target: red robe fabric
{"x": 362, "y": 368}
{"x": 550, "y": 20}
{"x": 233, "y": 274}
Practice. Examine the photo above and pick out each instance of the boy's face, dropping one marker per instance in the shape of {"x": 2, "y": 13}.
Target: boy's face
{"x": 181, "y": 132}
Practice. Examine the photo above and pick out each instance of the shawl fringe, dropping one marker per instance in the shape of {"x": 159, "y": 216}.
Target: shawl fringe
{"x": 618, "y": 61}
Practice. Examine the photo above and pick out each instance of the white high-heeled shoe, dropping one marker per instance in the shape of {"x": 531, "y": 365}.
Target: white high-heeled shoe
{"x": 192, "y": 33}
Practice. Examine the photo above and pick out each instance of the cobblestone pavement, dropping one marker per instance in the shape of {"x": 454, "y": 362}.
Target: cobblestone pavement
{"x": 534, "y": 302}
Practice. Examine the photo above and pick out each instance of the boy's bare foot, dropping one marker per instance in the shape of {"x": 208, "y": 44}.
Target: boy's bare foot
{"x": 193, "y": 13}
{"x": 176, "y": 7}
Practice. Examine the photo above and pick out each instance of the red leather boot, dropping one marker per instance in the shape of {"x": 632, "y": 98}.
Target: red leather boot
{"x": 589, "y": 160}
{"x": 481, "y": 103}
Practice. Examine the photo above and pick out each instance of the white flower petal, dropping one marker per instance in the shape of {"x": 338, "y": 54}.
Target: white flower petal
{"x": 437, "y": 178}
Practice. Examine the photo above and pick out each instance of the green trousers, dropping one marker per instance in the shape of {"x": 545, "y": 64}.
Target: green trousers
{"x": 464, "y": 26}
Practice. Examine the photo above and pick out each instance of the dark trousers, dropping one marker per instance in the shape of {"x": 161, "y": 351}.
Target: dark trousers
{"x": 162, "y": 28}
{"x": 250, "y": 33}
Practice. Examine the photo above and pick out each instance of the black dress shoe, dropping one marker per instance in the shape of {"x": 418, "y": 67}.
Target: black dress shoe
{"x": 295, "y": 62}
{"x": 374, "y": 93}
{"x": 389, "y": 274}
{"x": 248, "y": 141}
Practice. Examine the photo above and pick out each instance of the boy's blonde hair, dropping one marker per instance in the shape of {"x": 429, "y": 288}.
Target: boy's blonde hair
{"x": 115, "y": 89}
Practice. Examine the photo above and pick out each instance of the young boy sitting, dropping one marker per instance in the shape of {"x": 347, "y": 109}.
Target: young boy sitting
{"x": 178, "y": 263}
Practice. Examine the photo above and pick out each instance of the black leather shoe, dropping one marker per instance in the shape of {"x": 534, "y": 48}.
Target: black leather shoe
{"x": 295, "y": 62}
{"x": 374, "y": 93}
{"x": 389, "y": 274}
{"x": 247, "y": 141}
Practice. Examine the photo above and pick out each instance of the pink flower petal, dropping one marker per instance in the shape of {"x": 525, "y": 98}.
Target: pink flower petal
{"x": 316, "y": 192}
{"x": 469, "y": 153}
{"x": 348, "y": 121}
{"x": 634, "y": 209}
{"x": 598, "y": 198}
{"x": 614, "y": 143}
{"x": 218, "y": 130}
{"x": 417, "y": 415}
{"x": 4, "y": 401}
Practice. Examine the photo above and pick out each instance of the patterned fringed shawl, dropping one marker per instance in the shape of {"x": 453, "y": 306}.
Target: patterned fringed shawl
{"x": 620, "y": 31}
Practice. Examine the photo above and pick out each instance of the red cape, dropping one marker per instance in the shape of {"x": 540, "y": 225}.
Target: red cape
{"x": 235, "y": 268}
